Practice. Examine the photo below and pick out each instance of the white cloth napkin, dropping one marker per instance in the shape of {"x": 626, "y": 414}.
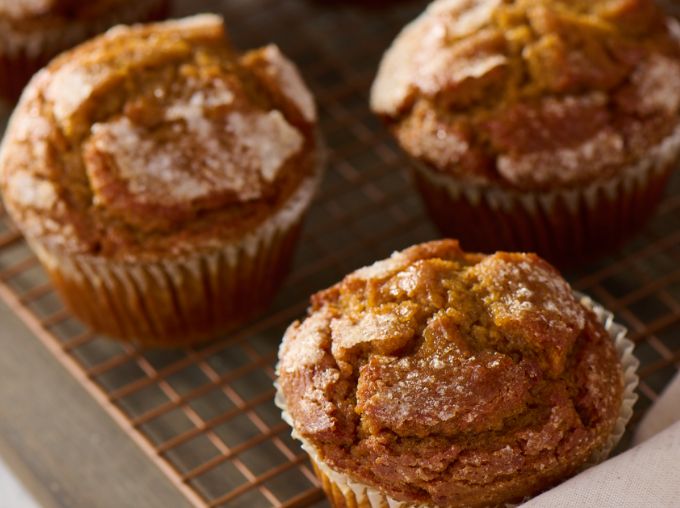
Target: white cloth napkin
{"x": 645, "y": 476}
{"x": 664, "y": 413}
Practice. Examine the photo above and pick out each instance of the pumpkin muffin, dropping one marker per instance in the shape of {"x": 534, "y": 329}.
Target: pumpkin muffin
{"x": 440, "y": 378}
{"x": 537, "y": 125}
{"x": 161, "y": 178}
{"x": 32, "y": 32}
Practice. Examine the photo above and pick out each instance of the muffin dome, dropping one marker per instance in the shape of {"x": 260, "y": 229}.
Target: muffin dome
{"x": 533, "y": 94}
{"x": 452, "y": 379}
{"x": 157, "y": 139}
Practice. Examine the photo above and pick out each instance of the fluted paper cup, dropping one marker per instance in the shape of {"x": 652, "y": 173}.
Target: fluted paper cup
{"x": 564, "y": 226}
{"x": 177, "y": 301}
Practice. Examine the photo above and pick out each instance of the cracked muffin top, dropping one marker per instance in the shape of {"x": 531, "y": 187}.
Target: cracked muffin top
{"x": 451, "y": 378}
{"x": 533, "y": 94}
{"x": 157, "y": 138}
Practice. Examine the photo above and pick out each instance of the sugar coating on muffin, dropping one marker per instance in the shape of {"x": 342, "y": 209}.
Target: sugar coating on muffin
{"x": 533, "y": 94}
{"x": 157, "y": 139}
{"x": 452, "y": 379}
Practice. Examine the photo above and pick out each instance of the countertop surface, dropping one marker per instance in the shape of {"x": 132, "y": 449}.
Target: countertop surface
{"x": 62, "y": 447}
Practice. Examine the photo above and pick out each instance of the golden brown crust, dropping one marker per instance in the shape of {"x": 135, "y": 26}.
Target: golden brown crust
{"x": 452, "y": 379}
{"x": 532, "y": 94}
{"x": 157, "y": 139}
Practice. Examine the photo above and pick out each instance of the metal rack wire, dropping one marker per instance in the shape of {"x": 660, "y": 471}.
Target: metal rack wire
{"x": 205, "y": 416}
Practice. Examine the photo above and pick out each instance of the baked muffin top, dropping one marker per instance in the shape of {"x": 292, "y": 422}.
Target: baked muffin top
{"x": 533, "y": 94}
{"x": 157, "y": 138}
{"x": 451, "y": 378}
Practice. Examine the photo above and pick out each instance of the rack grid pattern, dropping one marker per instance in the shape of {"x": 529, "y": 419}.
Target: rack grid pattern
{"x": 205, "y": 416}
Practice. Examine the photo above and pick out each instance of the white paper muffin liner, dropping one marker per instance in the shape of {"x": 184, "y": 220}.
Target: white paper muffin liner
{"x": 345, "y": 491}
{"x": 562, "y": 223}
{"x": 629, "y": 365}
{"x": 179, "y": 300}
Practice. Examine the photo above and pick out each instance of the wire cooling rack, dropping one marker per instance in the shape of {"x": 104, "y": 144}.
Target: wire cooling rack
{"x": 205, "y": 416}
